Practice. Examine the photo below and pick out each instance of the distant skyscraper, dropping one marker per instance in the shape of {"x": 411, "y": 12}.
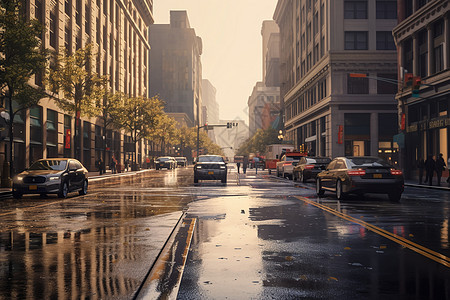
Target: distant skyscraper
{"x": 177, "y": 71}
{"x": 263, "y": 103}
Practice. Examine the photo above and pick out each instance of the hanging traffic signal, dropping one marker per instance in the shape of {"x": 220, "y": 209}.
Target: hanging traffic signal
{"x": 228, "y": 125}
{"x": 408, "y": 79}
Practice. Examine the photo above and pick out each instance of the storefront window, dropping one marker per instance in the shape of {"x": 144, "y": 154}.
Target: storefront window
{"x": 357, "y": 134}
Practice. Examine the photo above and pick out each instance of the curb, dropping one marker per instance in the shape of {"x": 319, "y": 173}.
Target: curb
{"x": 424, "y": 186}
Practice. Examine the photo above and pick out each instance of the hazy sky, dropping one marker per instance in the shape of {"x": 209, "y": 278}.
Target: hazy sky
{"x": 232, "y": 45}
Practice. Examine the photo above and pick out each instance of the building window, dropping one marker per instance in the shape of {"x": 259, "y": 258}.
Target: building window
{"x": 356, "y": 40}
{"x": 386, "y": 9}
{"x": 407, "y": 55}
{"x": 67, "y": 39}
{"x": 78, "y": 12}
{"x": 385, "y": 40}
{"x": 87, "y": 22}
{"x": 423, "y": 53}
{"x": 438, "y": 59}
{"x": 67, "y": 8}
{"x": 53, "y": 30}
{"x": 355, "y": 9}
{"x": 387, "y": 84}
{"x": 357, "y": 85}
{"x": 39, "y": 11}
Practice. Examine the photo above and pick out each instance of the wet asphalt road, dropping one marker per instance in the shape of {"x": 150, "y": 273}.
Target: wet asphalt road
{"x": 258, "y": 237}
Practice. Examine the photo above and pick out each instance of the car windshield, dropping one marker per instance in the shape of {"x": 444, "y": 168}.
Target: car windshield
{"x": 291, "y": 158}
{"x": 318, "y": 161}
{"x": 55, "y": 165}
{"x": 180, "y": 158}
{"x": 368, "y": 162}
{"x": 163, "y": 159}
{"x": 210, "y": 159}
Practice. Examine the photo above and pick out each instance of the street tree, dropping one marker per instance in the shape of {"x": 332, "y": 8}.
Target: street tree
{"x": 164, "y": 132}
{"x": 109, "y": 105}
{"x": 138, "y": 115}
{"x": 81, "y": 87}
{"x": 21, "y": 56}
{"x": 258, "y": 142}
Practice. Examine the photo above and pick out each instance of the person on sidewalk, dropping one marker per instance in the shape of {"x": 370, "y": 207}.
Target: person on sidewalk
{"x": 421, "y": 166}
{"x": 245, "y": 164}
{"x": 430, "y": 166}
{"x": 440, "y": 166}
{"x": 101, "y": 168}
{"x": 112, "y": 165}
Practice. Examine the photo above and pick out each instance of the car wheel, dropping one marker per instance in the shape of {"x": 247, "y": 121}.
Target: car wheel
{"x": 224, "y": 179}
{"x": 195, "y": 179}
{"x": 84, "y": 189}
{"x": 395, "y": 196}
{"x": 17, "y": 194}
{"x": 340, "y": 195}
{"x": 319, "y": 189}
{"x": 64, "y": 190}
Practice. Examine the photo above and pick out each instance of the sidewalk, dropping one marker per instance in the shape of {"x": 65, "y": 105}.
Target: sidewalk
{"x": 414, "y": 183}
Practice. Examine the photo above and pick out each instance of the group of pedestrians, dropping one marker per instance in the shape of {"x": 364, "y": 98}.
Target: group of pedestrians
{"x": 431, "y": 165}
{"x": 244, "y": 165}
{"x": 112, "y": 165}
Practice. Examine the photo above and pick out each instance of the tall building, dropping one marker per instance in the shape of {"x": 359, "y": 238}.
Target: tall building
{"x": 263, "y": 103}
{"x": 423, "y": 42}
{"x": 118, "y": 32}
{"x": 175, "y": 66}
{"x": 210, "y": 106}
{"x": 327, "y": 109}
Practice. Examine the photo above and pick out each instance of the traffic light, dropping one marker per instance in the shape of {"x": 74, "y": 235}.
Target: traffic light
{"x": 408, "y": 79}
{"x": 416, "y": 82}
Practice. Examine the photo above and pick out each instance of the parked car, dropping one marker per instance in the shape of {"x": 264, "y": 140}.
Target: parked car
{"x": 210, "y": 167}
{"x": 309, "y": 167}
{"x": 52, "y": 176}
{"x": 288, "y": 161}
{"x": 181, "y": 161}
{"x": 167, "y": 162}
{"x": 359, "y": 175}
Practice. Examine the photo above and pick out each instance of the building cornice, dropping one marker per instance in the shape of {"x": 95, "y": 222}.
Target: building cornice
{"x": 420, "y": 19}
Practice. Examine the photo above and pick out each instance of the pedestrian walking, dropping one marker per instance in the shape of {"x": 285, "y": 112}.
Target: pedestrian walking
{"x": 112, "y": 165}
{"x": 421, "y": 166}
{"x": 430, "y": 166}
{"x": 238, "y": 166}
{"x": 127, "y": 162}
{"x": 245, "y": 164}
{"x": 440, "y": 166}
{"x": 101, "y": 168}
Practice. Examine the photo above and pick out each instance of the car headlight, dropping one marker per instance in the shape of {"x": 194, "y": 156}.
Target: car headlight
{"x": 18, "y": 179}
{"x": 54, "y": 178}
{"x": 222, "y": 167}
{"x": 198, "y": 167}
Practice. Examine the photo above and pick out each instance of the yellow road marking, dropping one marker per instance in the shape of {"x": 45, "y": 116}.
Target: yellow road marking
{"x": 442, "y": 259}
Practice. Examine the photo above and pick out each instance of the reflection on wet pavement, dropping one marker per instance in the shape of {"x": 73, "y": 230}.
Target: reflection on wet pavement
{"x": 99, "y": 246}
{"x": 257, "y": 241}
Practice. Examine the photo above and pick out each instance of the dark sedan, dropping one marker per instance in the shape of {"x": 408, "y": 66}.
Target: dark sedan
{"x": 359, "y": 175}
{"x": 309, "y": 167}
{"x": 210, "y": 167}
{"x": 167, "y": 162}
{"x": 52, "y": 176}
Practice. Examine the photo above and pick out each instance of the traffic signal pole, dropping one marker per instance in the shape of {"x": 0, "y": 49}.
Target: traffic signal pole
{"x": 208, "y": 127}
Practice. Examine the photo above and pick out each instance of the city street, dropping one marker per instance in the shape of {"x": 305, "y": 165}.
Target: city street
{"x": 154, "y": 234}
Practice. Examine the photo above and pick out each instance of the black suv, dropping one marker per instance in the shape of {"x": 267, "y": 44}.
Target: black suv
{"x": 210, "y": 167}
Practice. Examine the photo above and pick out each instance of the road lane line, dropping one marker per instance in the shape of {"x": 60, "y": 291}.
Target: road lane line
{"x": 440, "y": 258}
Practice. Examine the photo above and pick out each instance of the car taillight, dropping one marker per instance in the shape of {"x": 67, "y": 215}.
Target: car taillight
{"x": 396, "y": 172}
{"x": 356, "y": 172}
{"x": 309, "y": 167}
{"x": 287, "y": 164}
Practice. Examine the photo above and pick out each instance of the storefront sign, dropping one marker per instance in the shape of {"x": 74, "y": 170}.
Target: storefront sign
{"x": 340, "y": 134}
{"x": 67, "y": 141}
{"x": 431, "y": 124}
